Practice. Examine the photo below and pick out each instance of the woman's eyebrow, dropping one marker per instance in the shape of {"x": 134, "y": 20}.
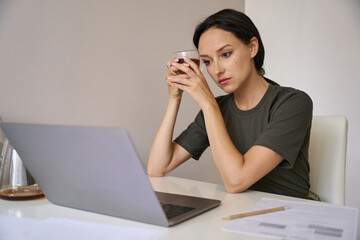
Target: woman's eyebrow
{"x": 219, "y": 50}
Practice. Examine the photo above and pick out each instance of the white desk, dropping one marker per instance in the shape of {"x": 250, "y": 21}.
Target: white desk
{"x": 204, "y": 226}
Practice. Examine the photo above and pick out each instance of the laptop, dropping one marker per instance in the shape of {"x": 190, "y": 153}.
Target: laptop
{"x": 97, "y": 169}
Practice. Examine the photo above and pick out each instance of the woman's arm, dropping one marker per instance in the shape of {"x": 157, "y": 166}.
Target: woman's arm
{"x": 238, "y": 171}
{"x": 165, "y": 155}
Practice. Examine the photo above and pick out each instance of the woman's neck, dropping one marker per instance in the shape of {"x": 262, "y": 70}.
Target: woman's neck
{"x": 251, "y": 92}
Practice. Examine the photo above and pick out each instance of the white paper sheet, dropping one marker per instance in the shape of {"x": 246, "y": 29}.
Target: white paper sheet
{"x": 304, "y": 221}
{"x": 13, "y": 228}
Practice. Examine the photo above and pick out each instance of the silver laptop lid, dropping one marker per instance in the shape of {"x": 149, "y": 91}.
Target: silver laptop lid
{"x": 79, "y": 167}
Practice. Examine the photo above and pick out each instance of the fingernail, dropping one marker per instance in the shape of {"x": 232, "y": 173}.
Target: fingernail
{"x": 186, "y": 64}
{"x": 169, "y": 78}
{"x": 174, "y": 63}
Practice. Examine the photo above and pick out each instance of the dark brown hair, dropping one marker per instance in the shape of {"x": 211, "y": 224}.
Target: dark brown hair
{"x": 237, "y": 23}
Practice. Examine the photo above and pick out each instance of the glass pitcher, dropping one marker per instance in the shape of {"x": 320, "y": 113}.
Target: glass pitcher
{"x": 16, "y": 183}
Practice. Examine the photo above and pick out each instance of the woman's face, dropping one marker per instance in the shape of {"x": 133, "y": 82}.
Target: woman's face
{"x": 227, "y": 59}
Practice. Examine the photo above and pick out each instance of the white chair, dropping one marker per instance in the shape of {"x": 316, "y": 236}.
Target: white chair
{"x": 327, "y": 158}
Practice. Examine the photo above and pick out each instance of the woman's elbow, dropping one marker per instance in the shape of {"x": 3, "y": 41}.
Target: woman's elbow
{"x": 234, "y": 190}
{"x": 151, "y": 173}
{"x": 235, "y": 187}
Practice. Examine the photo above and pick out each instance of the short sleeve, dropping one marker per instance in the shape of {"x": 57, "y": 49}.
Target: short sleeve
{"x": 288, "y": 127}
{"x": 194, "y": 139}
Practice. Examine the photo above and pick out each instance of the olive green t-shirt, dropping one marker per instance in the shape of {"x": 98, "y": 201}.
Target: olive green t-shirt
{"x": 281, "y": 122}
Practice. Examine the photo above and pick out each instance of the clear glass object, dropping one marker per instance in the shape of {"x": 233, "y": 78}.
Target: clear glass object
{"x": 191, "y": 54}
{"x": 16, "y": 183}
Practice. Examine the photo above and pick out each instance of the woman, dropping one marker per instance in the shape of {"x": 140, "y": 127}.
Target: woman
{"x": 258, "y": 132}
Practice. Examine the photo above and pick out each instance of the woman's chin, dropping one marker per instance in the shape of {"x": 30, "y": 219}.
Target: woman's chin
{"x": 227, "y": 89}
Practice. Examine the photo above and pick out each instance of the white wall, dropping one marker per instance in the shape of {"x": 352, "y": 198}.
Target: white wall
{"x": 100, "y": 63}
{"x": 315, "y": 46}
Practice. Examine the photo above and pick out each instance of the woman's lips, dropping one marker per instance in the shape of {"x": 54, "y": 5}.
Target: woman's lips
{"x": 223, "y": 81}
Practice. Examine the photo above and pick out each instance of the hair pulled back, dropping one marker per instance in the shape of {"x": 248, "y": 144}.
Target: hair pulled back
{"x": 237, "y": 23}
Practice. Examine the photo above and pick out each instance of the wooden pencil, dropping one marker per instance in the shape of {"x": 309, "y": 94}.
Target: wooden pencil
{"x": 255, "y": 213}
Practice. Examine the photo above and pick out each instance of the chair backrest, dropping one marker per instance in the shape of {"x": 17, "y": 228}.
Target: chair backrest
{"x": 327, "y": 157}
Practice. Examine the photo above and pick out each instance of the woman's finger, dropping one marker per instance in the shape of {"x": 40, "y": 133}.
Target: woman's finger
{"x": 194, "y": 66}
{"x": 170, "y": 67}
{"x": 183, "y": 68}
{"x": 179, "y": 80}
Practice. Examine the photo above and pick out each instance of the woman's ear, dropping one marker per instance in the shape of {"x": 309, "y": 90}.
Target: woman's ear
{"x": 253, "y": 46}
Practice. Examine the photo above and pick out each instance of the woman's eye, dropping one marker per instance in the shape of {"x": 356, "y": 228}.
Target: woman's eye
{"x": 206, "y": 62}
{"x": 226, "y": 54}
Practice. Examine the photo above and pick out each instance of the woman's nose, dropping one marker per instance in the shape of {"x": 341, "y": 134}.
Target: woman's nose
{"x": 218, "y": 68}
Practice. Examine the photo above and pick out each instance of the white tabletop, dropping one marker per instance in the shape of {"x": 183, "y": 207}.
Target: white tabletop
{"x": 205, "y": 226}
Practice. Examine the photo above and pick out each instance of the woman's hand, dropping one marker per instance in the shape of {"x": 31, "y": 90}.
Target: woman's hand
{"x": 174, "y": 91}
{"x": 191, "y": 81}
